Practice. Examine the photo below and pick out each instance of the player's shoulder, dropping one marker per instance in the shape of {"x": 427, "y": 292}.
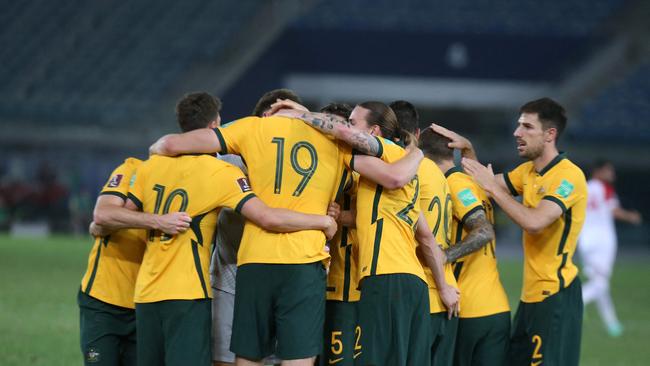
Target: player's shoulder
{"x": 457, "y": 175}
{"x": 569, "y": 170}
{"x": 524, "y": 168}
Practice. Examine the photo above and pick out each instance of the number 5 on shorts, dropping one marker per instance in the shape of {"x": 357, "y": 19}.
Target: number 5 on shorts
{"x": 337, "y": 344}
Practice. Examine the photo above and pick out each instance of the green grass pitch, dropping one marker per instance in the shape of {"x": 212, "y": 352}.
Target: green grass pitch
{"x": 39, "y": 318}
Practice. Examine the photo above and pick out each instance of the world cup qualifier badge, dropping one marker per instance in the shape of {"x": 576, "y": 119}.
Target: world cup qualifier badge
{"x": 92, "y": 355}
{"x": 244, "y": 185}
{"x": 115, "y": 181}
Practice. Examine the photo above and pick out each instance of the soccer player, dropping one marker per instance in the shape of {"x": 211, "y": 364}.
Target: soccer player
{"x": 303, "y": 173}
{"x": 436, "y": 205}
{"x": 106, "y": 308}
{"x": 341, "y": 335}
{"x": 223, "y": 266}
{"x": 388, "y": 222}
{"x": 484, "y": 326}
{"x": 598, "y": 241}
{"x": 548, "y": 324}
{"x": 172, "y": 298}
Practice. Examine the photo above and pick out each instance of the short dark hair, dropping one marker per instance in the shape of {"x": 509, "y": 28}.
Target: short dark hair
{"x": 435, "y": 146}
{"x": 339, "y": 109}
{"x": 270, "y": 97}
{"x": 197, "y": 110}
{"x": 550, "y": 113}
{"x": 407, "y": 115}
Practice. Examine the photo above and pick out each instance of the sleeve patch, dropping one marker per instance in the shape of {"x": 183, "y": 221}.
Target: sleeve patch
{"x": 244, "y": 185}
{"x": 115, "y": 181}
{"x": 466, "y": 197}
{"x": 565, "y": 189}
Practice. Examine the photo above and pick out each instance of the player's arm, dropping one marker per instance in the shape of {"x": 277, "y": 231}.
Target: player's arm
{"x": 203, "y": 140}
{"x": 480, "y": 233}
{"x": 337, "y": 127}
{"x": 531, "y": 219}
{"x": 390, "y": 175}
{"x": 112, "y": 213}
{"x": 435, "y": 258}
{"x": 283, "y": 220}
{"x": 629, "y": 216}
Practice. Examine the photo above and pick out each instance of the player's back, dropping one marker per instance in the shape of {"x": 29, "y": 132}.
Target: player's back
{"x": 114, "y": 260}
{"x": 436, "y": 205}
{"x": 386, "y": 222}
{"x": 477, "y": 273}
{"x": 176, "y": 267}
{"x": 290, "y": 165}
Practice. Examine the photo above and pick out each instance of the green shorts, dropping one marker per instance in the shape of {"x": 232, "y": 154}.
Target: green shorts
{"x": 174, "y": 332}
{"x": 342, "y": 334}
{"x": 548, "y": 333}
{"x": 279, "y": 302}
{"x": 107, "y": 332}
{"x": 395, "y": 322}
{"x": 483, "y": 341}
{"x": 443, "y": 339}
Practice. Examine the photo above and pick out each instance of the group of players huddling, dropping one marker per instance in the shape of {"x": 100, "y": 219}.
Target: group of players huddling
{"x": 361, "y": 243}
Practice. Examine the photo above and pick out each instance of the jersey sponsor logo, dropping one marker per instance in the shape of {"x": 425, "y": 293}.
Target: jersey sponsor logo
{"x": 93, "y": 355}
{"x": 132, "y": 181}
{"x": 466, "y": 197}
{"x": 115, "y": 181}
{"x": 565, "y": 188}
{"x": 244, "y": 185}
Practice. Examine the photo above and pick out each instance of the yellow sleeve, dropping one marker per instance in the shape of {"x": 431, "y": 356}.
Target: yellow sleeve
{"x": 567, "y": 189}
{"x": 464, "y": 196}
{"x": 514, "y": 180}
{"x": 233, "y": 136}
{"x": 136, "y": 186}
{"x": 118, "y": 183}
{"x": 233, "y": 190}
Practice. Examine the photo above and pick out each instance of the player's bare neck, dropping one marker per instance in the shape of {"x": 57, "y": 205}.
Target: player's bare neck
{"x": 445, "y": 165}
{"x": 548, "y": 154}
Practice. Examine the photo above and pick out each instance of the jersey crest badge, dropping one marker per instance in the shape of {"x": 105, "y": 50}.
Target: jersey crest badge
{"x": 244, "y": 185}
{"x": 115, "y": 181}
{"x": 564, "y": 189}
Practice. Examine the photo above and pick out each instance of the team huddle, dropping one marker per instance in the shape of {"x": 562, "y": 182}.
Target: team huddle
{"x": 347, "y": 236}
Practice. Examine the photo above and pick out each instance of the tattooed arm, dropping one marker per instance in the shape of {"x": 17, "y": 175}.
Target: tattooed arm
{"x": 480, "y": 233}
{"x": 337, "y": 127}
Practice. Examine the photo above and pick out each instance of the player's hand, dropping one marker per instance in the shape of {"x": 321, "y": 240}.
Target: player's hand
{"x": 635, "y": 217}
{"x": 483, "y": 176}
{"x": 96, "y": 230}
{"x": 334, "y": 211}
{"x": 457, "y": 141}
{"x": 451, "y": 298}
{"x": 173, "y": 223}
{"x": 281, "y": 104}
{"x": 331, "y": 228}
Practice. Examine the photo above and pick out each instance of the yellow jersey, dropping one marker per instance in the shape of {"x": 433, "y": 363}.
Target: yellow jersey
{"x": 548, "y": 255}
{"x": 176, "y": 267}
{"x": 481, "y": 291}
{"x": 290, "y": 165}
{"x": 114, "y": 260}
{"x": 386, "y": 222}
{"x": 343, "y": 276}
{"x": 436, "y": 205}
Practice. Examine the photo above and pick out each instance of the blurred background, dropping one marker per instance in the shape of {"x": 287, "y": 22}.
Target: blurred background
{"x": 85, "y": 84}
